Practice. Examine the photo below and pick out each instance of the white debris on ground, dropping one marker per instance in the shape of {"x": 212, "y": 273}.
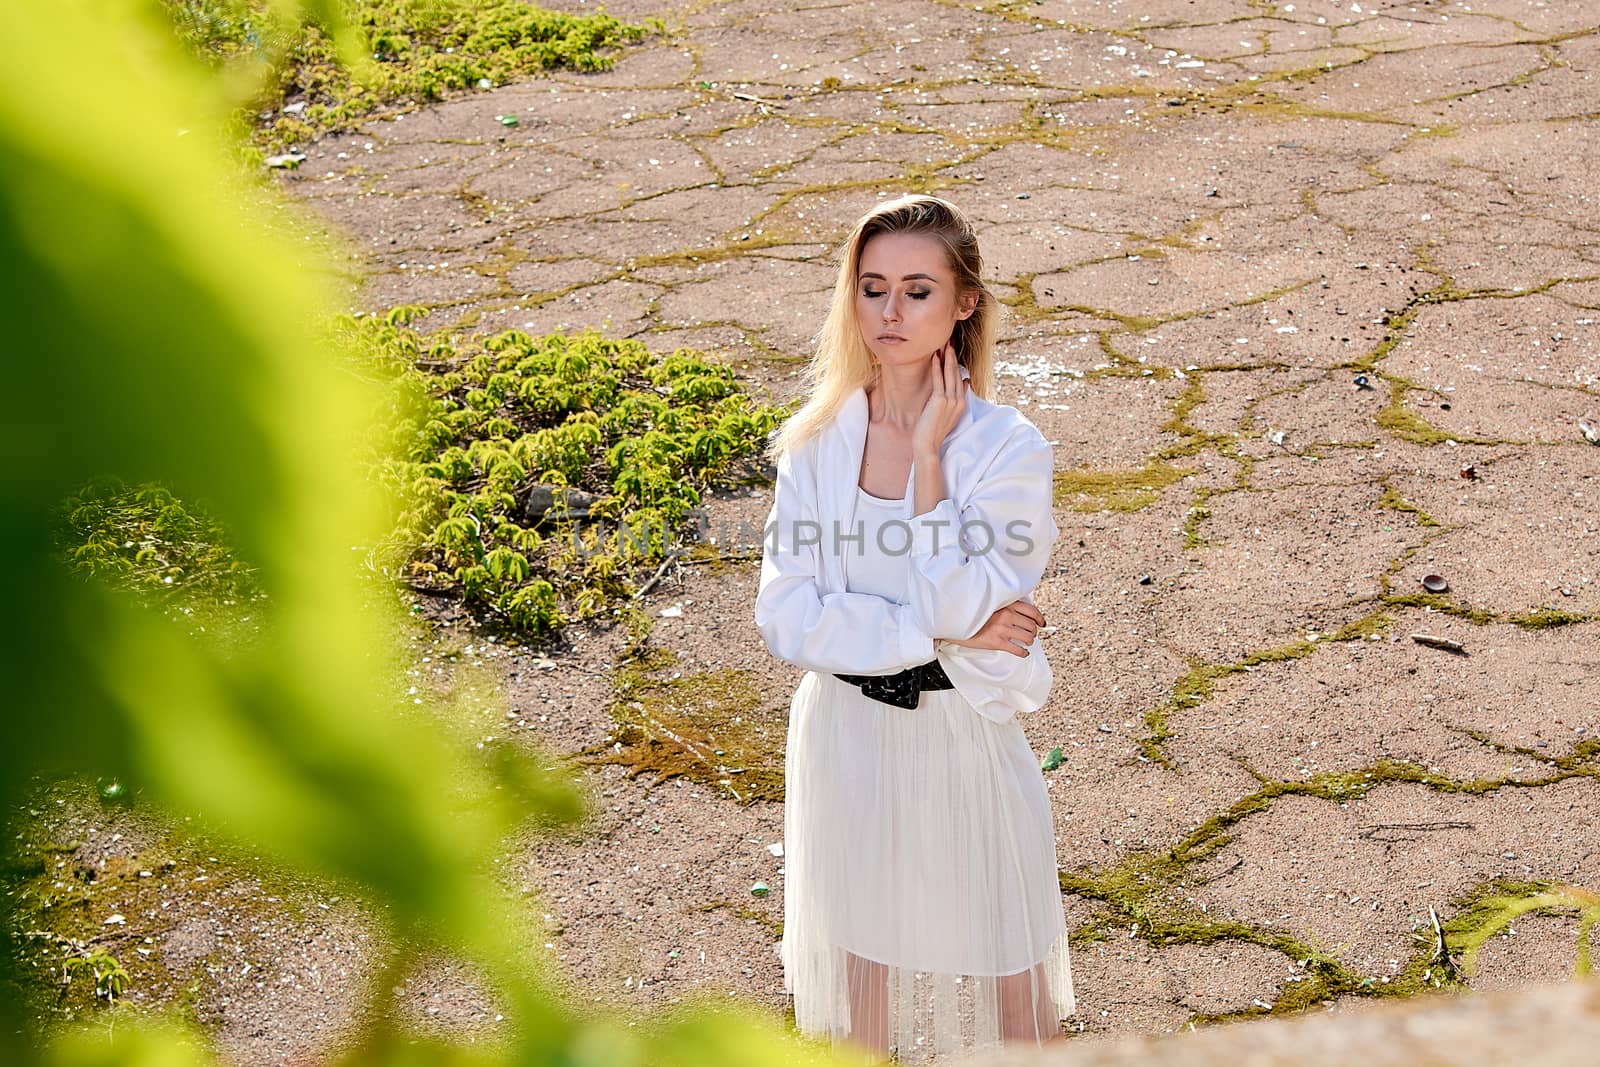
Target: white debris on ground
{"x": 1041, "y": 378}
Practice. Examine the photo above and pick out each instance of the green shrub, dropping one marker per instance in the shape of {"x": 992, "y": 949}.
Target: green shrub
{"x": 474, "y": 432}
{"x": 144, "y": 538}
{"x": 395, "y": 51}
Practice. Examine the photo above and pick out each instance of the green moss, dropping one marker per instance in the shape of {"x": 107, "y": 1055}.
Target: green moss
{"x": 709, "y": 728}
{"x": 773, "y": 924}
{"x": 1440, "y": 602}
{"x": 1482, "y": 912}
{"x": 506, "y": 257}
{"x": 1405, "y": 423}
{"x": 1023, "y": 302}
{"x": 1391, "y": 500}
{"x": 1192, "y": 439}
{"x": 1584, "y": 754}
{"x": 1395, "y": 327}
{"x": 1130, "y": 323}
{"x": 1446, "y": 604}
{"x": 1137, "y": 897}
{"x": 1140, "y": 893}
{"x": 1277, "y": 107}
{"x": 58, "y": 903}
{"x": 1193, "y": 395}
{"x": 1119, "y": 364}
{"x": 1133, "y": 490}
{"x": 1033, "y": 127}
{"x": 914, "y": 178}
{"x": 1140, "y": 323}
{"x": 1492, "y": 907}
{"x": 1027, "y": 13}
{"x": 691, "y": 258}
{"x": 1124, "y": 490}
{"x": 1196, "y": 685}
{"x": 1395, "y": 417}
{"x": 750, "y": 335}
{"x": 1546, "y": 618}
{"x": 1197, "y": 514}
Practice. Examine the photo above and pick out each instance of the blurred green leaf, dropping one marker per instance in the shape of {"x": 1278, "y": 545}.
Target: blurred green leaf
{"x": 169, "y": 327}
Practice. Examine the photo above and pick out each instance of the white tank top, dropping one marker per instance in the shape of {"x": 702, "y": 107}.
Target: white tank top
{"x": 881, "y": 562}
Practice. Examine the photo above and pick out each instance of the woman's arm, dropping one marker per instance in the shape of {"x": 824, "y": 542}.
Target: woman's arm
{"x": 845, "y": 633}
{"x": 997, "y": 684}
{"x": 1013, "y": 499}
{"x": 966, "y": 565}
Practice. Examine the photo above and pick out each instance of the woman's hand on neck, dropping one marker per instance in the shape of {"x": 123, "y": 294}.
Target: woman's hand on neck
{"x": 944, "y": 401}
{"x": 945, "y": 404}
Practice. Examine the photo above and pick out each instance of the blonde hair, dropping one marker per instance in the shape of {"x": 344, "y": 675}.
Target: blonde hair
{"x": 842, "y": 362}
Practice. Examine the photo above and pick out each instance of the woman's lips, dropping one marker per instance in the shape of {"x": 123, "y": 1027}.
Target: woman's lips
{"x": 890, "y": 338}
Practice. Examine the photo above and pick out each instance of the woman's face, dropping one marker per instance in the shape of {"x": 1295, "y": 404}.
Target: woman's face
{"x": 906, "y": 299}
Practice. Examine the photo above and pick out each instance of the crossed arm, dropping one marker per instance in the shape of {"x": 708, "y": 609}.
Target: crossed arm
{"x": 966, "y": 566}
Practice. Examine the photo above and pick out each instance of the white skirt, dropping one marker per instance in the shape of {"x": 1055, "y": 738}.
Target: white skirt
{"x": 922, "y": 910}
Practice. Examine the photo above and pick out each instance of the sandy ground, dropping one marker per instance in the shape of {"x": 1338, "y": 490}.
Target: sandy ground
{"x": 1207, "y": 220}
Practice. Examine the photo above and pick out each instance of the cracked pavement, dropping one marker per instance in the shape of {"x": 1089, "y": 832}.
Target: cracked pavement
{"x": 1206, "y": 220}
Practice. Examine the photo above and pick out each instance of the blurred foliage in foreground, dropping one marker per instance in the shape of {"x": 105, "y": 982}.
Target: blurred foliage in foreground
{"x": 299, "y": 83}
{"x": 541, "y": 476}
{"x": 163, "y": 331}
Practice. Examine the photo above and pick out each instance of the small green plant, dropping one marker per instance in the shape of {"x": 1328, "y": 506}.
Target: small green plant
{"x": 539, "y": 476}
{"x": 408, "y": 51}
{"x": 172, "y": 554}
{"x": 143, "y": 538}
{"x": 110, "y": 980}
{"x": 227, "y": 29}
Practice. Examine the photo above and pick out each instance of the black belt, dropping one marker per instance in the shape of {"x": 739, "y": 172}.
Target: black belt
{"x": 904, "y": 689}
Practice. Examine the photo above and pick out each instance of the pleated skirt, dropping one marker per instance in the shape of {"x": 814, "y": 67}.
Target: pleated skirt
{"x": 922, "y": 910}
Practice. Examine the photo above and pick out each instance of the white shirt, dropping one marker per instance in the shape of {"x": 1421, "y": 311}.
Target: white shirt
{"x": 998, "y": 472}
{"x": 881, "y": 564}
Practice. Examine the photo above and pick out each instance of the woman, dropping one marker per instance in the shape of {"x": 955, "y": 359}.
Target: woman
{"x": 911, "y": 522}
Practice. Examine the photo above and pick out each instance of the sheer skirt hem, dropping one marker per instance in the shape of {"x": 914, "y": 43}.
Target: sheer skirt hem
{"x": 919, "y": 1016}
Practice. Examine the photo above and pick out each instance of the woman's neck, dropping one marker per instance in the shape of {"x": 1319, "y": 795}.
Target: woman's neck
{"x": 900, "y": 394}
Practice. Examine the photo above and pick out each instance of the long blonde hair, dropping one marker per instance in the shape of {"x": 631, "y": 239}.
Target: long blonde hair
{"x": 842, "y": 362}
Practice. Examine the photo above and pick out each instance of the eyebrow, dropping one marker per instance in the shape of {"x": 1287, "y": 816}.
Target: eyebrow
{"x": 907, "y": 278}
